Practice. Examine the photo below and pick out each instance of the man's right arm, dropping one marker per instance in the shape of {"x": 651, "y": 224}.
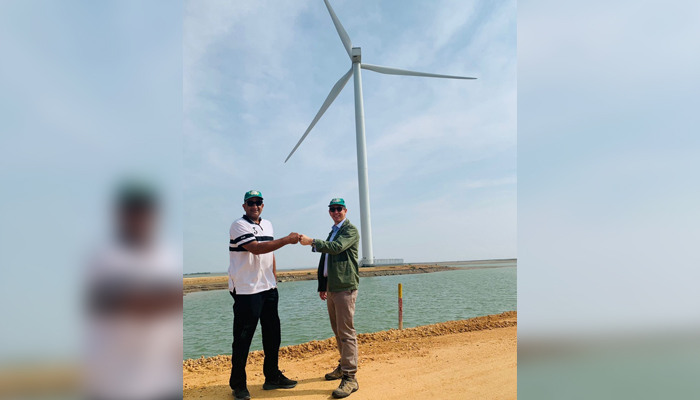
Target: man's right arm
{"x": 341, "y": 242}
{"x": 267, "y": 247}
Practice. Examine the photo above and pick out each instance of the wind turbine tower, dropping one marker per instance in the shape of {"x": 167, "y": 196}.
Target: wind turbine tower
{"x": 355, "y": 54}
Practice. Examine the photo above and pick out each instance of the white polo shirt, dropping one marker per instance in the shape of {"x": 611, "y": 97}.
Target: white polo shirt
{"x": 249, "y": 273}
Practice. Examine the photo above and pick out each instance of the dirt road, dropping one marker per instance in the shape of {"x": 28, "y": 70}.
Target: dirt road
{"x": 470, "y": 359}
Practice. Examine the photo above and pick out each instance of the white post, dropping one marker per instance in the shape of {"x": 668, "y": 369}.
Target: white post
{"x": 365, "y": 228}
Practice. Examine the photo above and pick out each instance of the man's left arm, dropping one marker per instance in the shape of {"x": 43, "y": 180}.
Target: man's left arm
{"x": 274, "y": 266}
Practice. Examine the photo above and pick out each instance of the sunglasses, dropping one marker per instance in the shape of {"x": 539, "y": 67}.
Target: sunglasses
{"x": 335, "y": 209}
{"x": 252, "y": 203}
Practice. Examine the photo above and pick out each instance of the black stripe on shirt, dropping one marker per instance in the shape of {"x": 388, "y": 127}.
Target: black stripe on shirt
{"x": 241, "y": 238}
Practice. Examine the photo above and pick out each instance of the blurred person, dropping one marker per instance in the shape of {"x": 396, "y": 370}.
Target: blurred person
{"x": 134, "y": 335}
{"x": 338, "y": 280}
{"x": 252, "y": 283}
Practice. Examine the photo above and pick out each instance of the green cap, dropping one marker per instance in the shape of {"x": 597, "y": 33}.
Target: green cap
{"x": 136, "y": 194}
{"x": 337, "y": 201}
{"x": 252, "y": 193}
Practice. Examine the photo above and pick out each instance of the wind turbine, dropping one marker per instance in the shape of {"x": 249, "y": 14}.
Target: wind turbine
{"x": 355, "y": 55}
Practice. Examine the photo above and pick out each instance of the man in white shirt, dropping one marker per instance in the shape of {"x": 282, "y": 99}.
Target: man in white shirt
{"x": 133, "y": 338}
{"x": 253, "y": 285}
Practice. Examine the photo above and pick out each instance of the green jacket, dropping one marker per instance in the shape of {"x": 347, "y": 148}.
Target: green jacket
{"x": 343, "y": 265}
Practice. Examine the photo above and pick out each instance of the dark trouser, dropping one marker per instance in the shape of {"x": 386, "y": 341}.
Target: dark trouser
{"x": 247, "y": 310}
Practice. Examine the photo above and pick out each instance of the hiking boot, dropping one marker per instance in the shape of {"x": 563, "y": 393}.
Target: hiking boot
{"x": 241, "y": 394}
{"x": 281, "y": 382}
{"x": 336, "y": 374}
{"x": 347, "y": 387}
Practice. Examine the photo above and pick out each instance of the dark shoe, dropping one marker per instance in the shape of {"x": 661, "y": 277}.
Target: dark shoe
{"x": 282, "y": 382}
{"x": 347, "y": 387}
{"x": 336, "y": 374}
{"x": 241, "y": 394}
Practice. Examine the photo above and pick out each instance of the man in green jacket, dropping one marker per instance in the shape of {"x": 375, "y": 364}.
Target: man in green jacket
{"x": 338, "y": 279}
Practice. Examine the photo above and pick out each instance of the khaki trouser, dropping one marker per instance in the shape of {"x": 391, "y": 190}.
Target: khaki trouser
{"x": 341, "y": 310}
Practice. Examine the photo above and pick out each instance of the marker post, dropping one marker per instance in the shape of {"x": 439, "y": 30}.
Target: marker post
{"x": 400, "y": 306}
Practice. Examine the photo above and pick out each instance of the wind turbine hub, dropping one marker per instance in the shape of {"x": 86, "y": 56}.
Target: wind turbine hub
{"x": 356, "y": 54}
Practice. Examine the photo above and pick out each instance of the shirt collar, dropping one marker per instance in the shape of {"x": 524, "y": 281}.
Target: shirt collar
{"x": 245, "y": 217}
{"x": 339, "y": 224}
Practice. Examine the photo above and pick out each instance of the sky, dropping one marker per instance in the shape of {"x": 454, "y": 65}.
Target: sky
{"x": 441, "y": 153}
{"x": 90, "y": 93}
{"x": 608, "y": 168}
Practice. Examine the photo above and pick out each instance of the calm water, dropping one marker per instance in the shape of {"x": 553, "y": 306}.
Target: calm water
{"x": 428, "y": 299}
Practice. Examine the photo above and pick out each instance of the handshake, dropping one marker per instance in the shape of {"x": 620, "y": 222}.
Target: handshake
{"x": 294, "y": 238}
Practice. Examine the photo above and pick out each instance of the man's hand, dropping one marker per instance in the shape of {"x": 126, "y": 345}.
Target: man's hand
{"x": 323, "y": 295}
{"x": 305, "y": 240}
{"x": 292, "y": 238}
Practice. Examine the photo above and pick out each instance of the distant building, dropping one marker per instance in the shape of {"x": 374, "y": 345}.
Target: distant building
{"x": 383, "y": 261}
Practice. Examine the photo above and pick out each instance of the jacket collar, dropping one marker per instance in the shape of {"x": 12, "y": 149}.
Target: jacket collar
{"x": 345, "y": 223}
{"x": 342, "y": 223}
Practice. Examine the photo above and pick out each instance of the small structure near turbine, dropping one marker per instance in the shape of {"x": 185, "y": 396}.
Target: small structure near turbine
{"x": 355, "y": 54}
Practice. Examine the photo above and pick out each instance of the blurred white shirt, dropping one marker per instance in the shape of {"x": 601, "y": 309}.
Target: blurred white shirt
{"x": 134, "y": 354}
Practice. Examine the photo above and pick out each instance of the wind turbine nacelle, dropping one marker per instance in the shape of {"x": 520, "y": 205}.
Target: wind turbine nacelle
{"x": 356, "y": 54}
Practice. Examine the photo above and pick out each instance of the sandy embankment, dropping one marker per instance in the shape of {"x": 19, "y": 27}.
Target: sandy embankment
{"x": 190, "y": 285}
{"x": 469, "y": 359}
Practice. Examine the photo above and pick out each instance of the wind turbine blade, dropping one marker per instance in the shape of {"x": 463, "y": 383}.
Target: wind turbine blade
{"x": 341, "y": 31}
{"x": 331, "y": 96}
{"x": 396, "y": 71}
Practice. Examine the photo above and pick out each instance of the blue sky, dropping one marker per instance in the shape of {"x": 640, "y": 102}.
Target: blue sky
{"x": 89, "y": 93}
{"x": 441, "y": 153}
{"x": 608, "y": 167}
